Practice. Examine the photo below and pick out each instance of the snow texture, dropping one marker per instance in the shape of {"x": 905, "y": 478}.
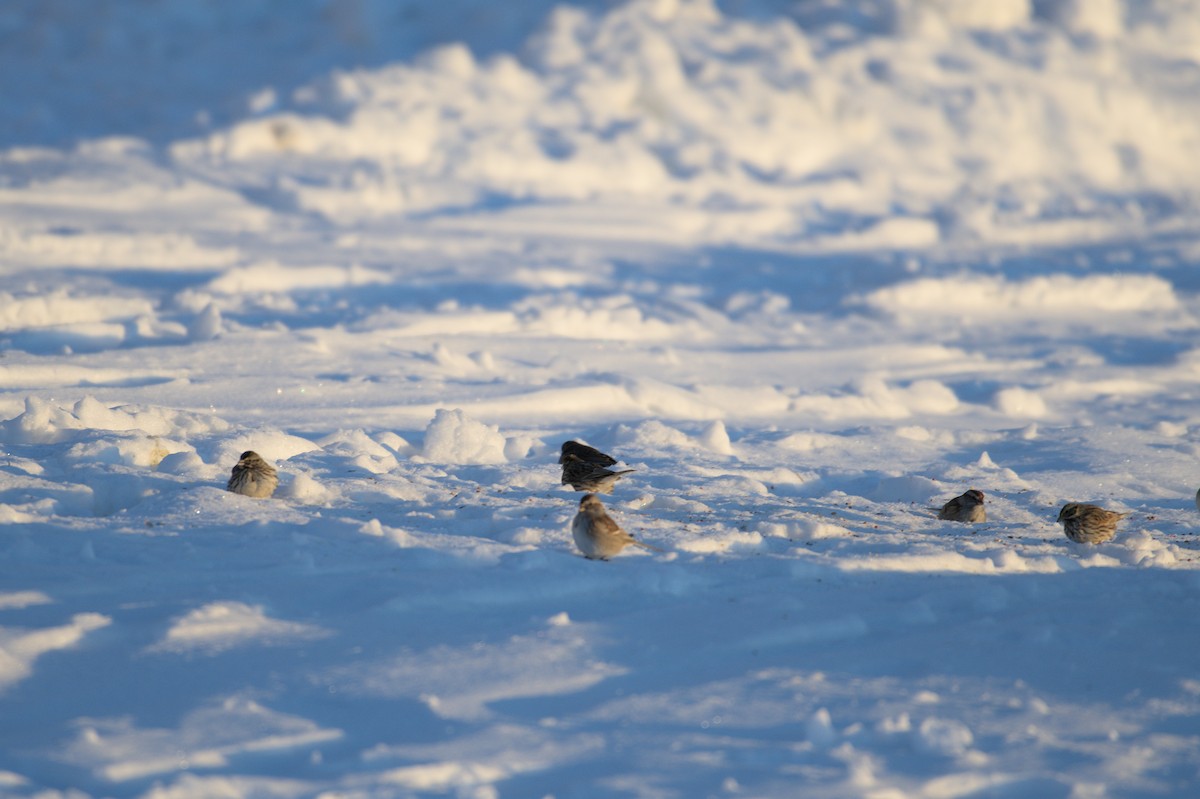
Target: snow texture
{"x": 809, "y": 268}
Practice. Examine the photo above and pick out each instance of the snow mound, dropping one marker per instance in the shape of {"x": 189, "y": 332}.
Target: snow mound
{"x": 218, "y": 626}
{"x": 454, "y": 437}
{"x": 205, "y": 325}
{"x": 56, "y": 248}
{"x": 873, "y": 397}
{"x": 716, "y": 438}
{"x": 19, "y": 648}
{"x": 691, "y": 111}
{"x": 186, "y": 463}
{"x": 60, "y": 308}
{"x": 1007, "y": 562}
{"x": 282, "y": 278}
{"x": 723, "y": 542}
{"x": 1020, "y": 402}
{"x": 45, "y": 422}
{"x": 23, "y": 599}
{"x": 274, "y": 445}
{"x": 1079, "y": 299}
{"x": 306, "y": 489}
{"x": 363, "y": 451}
{"x": 118, "y": 751}
{"x": 807, "y": 529}
{"x": 459, "y": 683}
{"x": 819, "y": 729}
{"x": 943, "y": 737}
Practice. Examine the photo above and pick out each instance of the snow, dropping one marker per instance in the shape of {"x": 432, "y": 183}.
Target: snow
{"x": 20, "y": 649}
{"x": 454, "y": 437}
{"x": 811, "y": 269}
{"x": 222, "y": 625}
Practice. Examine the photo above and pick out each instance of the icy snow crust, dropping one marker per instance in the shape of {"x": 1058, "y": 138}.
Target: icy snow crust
{"x": 811, "y": 269}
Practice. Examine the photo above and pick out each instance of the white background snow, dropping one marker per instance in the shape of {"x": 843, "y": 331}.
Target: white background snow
{"x": 811, "y": 267}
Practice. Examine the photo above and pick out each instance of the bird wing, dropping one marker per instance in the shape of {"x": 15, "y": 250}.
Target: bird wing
{"x": 576, "y": 470}
{"x": 585, "y": 453}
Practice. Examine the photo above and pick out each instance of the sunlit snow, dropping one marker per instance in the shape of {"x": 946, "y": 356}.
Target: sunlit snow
{"x": 810, "y": 268}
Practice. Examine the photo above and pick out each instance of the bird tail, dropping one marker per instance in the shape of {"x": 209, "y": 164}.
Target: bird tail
{"x": 644, "y": 545}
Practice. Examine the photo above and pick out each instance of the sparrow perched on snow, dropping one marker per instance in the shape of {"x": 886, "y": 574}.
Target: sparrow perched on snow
{"x": 253, "y": 476}
{"x": 1089, "y": 524}
{"x": 584, "y": 476}
{"x": 597, "y": 535}
{"x": 967, "y": 507}
{"x": 586, "y": 454}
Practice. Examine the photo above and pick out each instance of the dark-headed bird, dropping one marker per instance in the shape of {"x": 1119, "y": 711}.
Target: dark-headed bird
{"x": 584, "y": 476}
{"x": 586, "y": 454}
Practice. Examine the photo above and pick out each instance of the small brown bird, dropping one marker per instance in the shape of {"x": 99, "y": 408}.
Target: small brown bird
{"x": 586, "y": 454}
{"x": 597, "y": 535}
{"x": 967, "y": 507}
{"x": 1089, "y": 524}
{"x": 584, "y": 476}
{"x": 253, "y": 477}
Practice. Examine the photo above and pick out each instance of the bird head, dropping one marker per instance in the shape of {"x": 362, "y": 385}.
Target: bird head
{"x": 590, "y": 502}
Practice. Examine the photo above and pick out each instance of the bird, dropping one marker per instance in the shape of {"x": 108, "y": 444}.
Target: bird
{"x": 584, "y": 476}
{"x": 1089, "y": 524}
{"x": 586, "y": 454}
{"x": 968, "y": 507}
{"x": 253, "y": 476}
{"x": 597, "y": 535}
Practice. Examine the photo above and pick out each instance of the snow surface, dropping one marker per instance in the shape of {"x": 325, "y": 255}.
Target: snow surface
{"x": 810, "y": 268}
